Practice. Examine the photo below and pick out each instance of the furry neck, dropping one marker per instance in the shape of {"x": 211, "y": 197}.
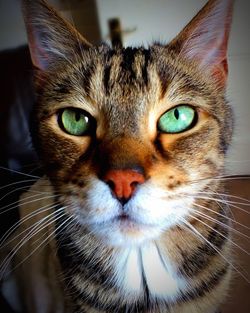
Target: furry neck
{"x": 130, "y": 271}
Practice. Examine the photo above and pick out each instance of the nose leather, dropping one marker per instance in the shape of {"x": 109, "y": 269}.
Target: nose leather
{"x": 123, "y": 183}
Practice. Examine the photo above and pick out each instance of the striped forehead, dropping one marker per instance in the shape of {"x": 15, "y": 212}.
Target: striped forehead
{"x": 118, "y": 84}
{"x": 127, "y": 67}
{"x": 129, "y": 74}
{"x": 126, "y": 83}
{"x": 121, "y": 74}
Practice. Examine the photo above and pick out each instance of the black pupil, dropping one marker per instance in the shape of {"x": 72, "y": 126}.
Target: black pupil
{"x": 77, "y": 116}
{"x": 176, "y": 114}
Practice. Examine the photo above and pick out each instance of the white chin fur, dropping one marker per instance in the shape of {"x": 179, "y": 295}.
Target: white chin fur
{"x": 151, "y": 211}
{"x": 133, "y": 265}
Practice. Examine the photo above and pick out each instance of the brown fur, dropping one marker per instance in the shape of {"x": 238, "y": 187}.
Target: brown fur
{"x": 126, "y": 91}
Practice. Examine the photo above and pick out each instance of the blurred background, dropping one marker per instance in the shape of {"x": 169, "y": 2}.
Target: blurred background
{"x": 140, "y": 22}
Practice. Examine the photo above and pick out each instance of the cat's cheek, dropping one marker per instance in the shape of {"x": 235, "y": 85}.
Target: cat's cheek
{"x": 169, "y": 175}
{"x": 154, "y": 206}
{"x": 61, "y": 148}
{"x": 93, "y": 204}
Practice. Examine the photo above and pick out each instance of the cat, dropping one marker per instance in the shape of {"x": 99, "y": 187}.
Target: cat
{"x": 130, "y": 140}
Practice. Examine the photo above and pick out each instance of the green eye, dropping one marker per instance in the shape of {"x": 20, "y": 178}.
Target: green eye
{"x": 177, "y": 119}
{"x": 75, "y": 122}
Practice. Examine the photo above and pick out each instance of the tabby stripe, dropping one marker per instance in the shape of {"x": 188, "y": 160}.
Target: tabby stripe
{"x": 63, "y": 87}
{"x": 112, "y": 305}
{"x": 159, "y": 147}
{"x": 128, "y": 57}
{"x": 147, "y": 57}
{"x": 144, "y": 282}
{"x": 226, "y": 131}
{"x": 94, "y": 301}
{"x": 187, "y": 84}
{"x": 87, "y": 73}
{"x": 206, "y": 286}
{"x": 196, "y": 262}
{"x": 163, "y": 74}
{"x": 107, "y": 71}
{"x": 60, "y": 89}
{"x": 73, "y": 260}
{"x": 212, "y": 165}
{"x": 106, "y": 78}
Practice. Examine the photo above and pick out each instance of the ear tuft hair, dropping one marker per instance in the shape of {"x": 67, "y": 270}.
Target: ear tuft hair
{"x": 50, "y": 37}
{"x": 205, "y": 38}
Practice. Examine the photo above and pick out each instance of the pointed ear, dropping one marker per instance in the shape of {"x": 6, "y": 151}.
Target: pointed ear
{"x": 205, "y": 38}
{"x": 50, "y": 37}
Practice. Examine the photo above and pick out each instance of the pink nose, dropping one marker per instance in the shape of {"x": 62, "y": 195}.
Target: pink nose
{"x": 123, "y": 182}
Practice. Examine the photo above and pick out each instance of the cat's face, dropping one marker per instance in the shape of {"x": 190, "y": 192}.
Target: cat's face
{"x": 129, "y": 137}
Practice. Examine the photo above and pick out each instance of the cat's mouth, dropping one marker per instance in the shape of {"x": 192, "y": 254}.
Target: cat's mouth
{"x": 124, "y": 220}
{"x": 127, "y": 223}
{"x": 125, "y": 229}
{"x": 123, "y": 217}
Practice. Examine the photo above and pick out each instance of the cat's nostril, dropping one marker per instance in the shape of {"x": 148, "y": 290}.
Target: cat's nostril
{"x": 134, "y": 184}
{"x": 111, "y": 184}
{"x": 123, "y": 183}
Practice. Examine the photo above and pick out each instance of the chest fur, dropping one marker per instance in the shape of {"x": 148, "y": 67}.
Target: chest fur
{"x": 146, "y": 267}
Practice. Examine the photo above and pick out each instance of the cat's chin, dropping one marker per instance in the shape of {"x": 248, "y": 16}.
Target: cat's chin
{"x": 125, "y": 231}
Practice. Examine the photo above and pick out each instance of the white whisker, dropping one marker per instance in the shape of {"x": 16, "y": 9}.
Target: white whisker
{"x": 231, "y": 241}
{"x": 36, "y": 228}
{"x": 18, "y": 172}
{"x": 199, "y": 235}
{"x": 232, "y": 204}
{"x": 22, "y": 221}
{"x": 247, "y": 201}
{"x": 27, "y": 202}
{"x": 44, "y": 241}
{"x": 225, "y": 216}
{"x": 19, "y": 182}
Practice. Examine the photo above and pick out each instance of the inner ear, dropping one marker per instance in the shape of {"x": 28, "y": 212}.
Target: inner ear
{"x": 51, "y": 38}
{"x": 205, "y": 39}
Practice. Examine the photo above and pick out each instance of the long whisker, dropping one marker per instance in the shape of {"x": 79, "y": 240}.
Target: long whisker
{"x": 222, "y": 215}
{"x": 43, "y": 242}
{"x": 70, "y": 218}
{"x": 22, "y": 221}
{"x": 247, "y": 201}
{"x": 13, "y": 191}
{"x": 222, "y": 197}
{"x": 199, "y": 235}
{"x": 18, "y": 182}
{"x": 230, "y": 177}
{"x": 38, "y": 227}
{"x": 231, "y": 241}
{"x": 18, "y": 172}
{"x": 15, "y": 203}
{"x": 34, "y": 229}
{"x": 222, "y": 224}
{"x": 232, "y": 204}
{"x": 26, "y": 202}
{"x": 219, "y": 178}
